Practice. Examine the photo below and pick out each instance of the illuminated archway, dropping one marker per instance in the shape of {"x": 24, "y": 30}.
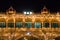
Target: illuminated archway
{"x": 18, "y": 22}
{"x": 46, "y": 23}
{"x": 10, "y": 23}
{"x": 37, "y": 23}
{"x": 28, "y": 22}
{"x": 2, "y": 23}
{"x": 54, "y": 23}
{"x": 28, "y": 38}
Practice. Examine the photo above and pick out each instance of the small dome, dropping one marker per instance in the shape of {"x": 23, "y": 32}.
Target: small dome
{"x": 44, "y": 10}
{"x": 11, "y": 9}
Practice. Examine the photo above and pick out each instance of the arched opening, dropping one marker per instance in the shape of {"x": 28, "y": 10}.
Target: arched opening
{"x": 11, "y": 23}
{"x": 46, "y": 23}
{"x": 37, "y": 23}
{"x": 28, "y": 23}
{"x": 54, "y": 23}
{"x": 29, "y": 38}
{"x": 19, "y": 22}
{"x": 2, "y": 23}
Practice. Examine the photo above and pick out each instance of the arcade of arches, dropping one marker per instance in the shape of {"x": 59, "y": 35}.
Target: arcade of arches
{"x": 19, "y": 26}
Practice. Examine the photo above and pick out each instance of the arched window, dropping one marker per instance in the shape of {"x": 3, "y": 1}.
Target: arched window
{"x": 37, "y": 23}
{"x": 28, "y": 22}
{"x": 19, "y": 23}
{"x": 54, "y": 24}
{"x": 2, "y": 23}
{"x": 10, "y": 23}
{"x": 46, "y": 24}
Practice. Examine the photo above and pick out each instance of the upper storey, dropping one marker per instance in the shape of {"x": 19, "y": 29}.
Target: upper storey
{"x": 44, "y": 10}
{"x": 12, "y": 12}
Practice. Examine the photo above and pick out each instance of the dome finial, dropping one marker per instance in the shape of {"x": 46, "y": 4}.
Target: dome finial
{"x": 44, "y": 10}
{"x": 44, "y": 7}
{"x": 11, "y": 11}
{"x": 11, "y": 8}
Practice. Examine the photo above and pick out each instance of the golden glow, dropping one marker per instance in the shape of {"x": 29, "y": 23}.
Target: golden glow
{"x": 44, "y": 16}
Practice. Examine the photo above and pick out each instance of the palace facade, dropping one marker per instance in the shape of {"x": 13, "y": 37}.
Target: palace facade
{"x": 44, "y": 25}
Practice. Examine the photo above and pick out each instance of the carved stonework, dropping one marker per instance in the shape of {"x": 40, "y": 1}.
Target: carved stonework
{"x": 43, "y": 26}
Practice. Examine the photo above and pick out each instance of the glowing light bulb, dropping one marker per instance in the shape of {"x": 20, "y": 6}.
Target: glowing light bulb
{"x": 24, "y": 12}
{"x": 27, "y": 12}
{"x": 28, "y": 33}
{"x": 30, "y": 12}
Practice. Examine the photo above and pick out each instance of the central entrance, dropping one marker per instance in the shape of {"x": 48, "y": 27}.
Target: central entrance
{"x": 29, "y": 38}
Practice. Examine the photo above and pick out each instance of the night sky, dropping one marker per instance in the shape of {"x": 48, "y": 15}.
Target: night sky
{"x": 30, "y": 5}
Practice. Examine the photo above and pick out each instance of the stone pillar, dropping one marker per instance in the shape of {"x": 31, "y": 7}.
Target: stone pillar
{"x": 14, "y": 21}
{"x": 14, "y": 25}
{"x": 23, "y": 22}
{"x": 7, "y": 23}
{"x": 49, "y": 24}
{"x": 42, "y": 24}
{"x": 33, "y": 20}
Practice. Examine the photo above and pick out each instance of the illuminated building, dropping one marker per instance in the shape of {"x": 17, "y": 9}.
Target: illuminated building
{"x": 43, "y": 25}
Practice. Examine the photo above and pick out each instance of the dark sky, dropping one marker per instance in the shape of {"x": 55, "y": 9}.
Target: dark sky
{"x": 30, "y": 5}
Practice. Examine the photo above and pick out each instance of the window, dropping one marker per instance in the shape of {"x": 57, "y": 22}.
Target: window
{"x": 2, "y": 24}
{"x": 28, "y": 24}
{"x": 54, "y": 25}
{"x": 11, "y": 24}
{"x": 37, "y": 25}
{"x": 19, "y": 24}
{"x": 46, "y": 24}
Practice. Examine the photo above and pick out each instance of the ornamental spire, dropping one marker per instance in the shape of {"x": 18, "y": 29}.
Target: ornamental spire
{"x": 11, "y": 10}
{"x": 44, "y": 10}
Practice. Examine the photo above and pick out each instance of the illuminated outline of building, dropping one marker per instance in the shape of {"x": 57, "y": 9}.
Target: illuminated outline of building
{"x": 44, "y": 23}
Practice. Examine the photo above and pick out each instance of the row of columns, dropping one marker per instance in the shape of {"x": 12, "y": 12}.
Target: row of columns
{"x": 33, "y": 20}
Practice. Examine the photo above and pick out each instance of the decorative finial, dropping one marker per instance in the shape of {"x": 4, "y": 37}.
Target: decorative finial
{"x": 11, "y": 8}
{"x": 44, "y": 10}
{"x": 44, "y": 7}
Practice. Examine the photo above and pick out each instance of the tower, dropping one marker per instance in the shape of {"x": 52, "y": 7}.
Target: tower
{"x": 44, "y": 10}
{"x": 10, "y": 11}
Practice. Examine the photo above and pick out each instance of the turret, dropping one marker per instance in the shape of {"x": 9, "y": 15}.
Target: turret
{"x": 11, "y": 11}
{"x": 44, "y": 10}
